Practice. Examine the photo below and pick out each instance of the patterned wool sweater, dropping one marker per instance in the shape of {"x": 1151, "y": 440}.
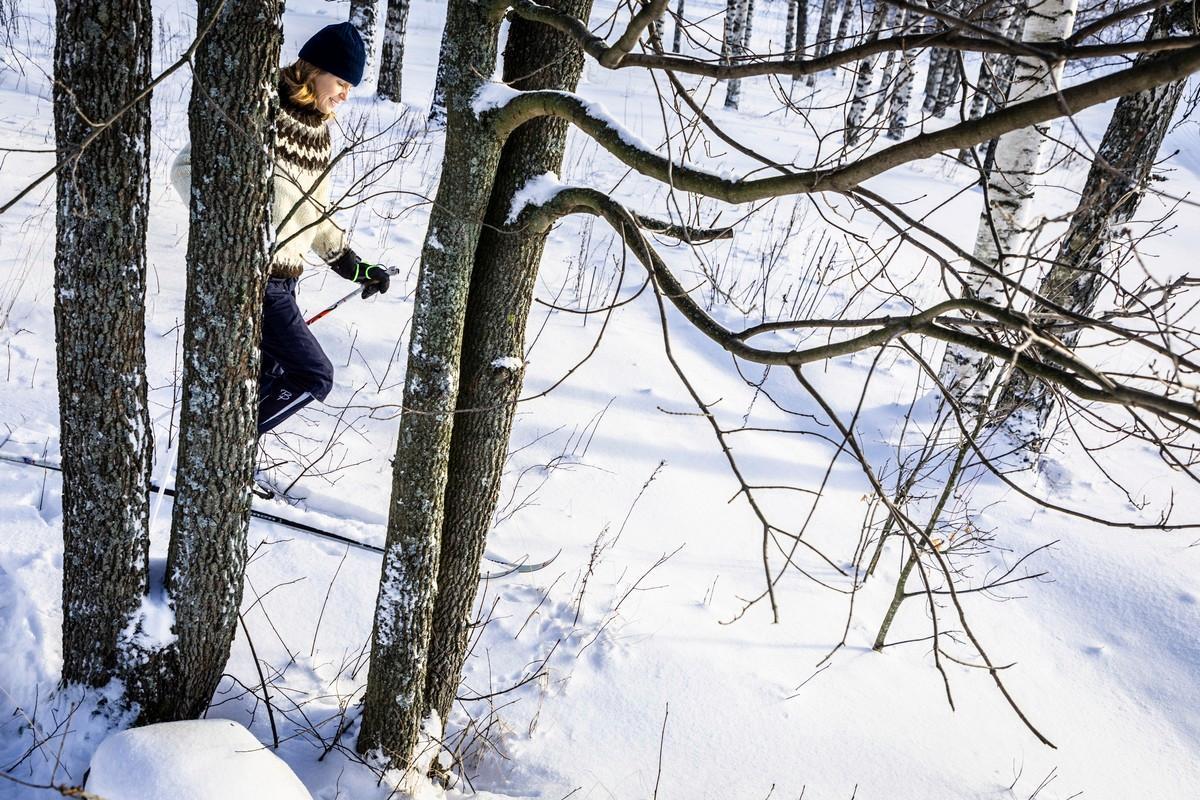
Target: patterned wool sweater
{"x": 300, "y": 207}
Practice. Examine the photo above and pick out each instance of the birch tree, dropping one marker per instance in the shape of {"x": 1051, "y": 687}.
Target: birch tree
{"x": 822, "y": 44}
{"x": 658, "y": 27}
{"x": 731, "y": 38}
{"x": 947, "y": 89}
{"x": 995, "y": 71}
{"x": 941, "y": 61}
{"x": 391, "y": 60}
{"x": 990, "y": 86}
{"x": 677, "y": 40}
{"x": 845, "y": 28}
{"x": 864, "y": 77}
{"x": 102, "y": 136}
{"x": 794, "y": 26}
{"x": 1003, "y": 224}
{"x": 901, "y": 95}
{"x": 363, "y": 16}
{"x": 740, "y": 33}
{"x": 1115, "y": 184}
{"x": 894, "y": 20}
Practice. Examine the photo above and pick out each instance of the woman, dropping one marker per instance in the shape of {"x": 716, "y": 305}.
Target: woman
{"x": 295, "y": 370}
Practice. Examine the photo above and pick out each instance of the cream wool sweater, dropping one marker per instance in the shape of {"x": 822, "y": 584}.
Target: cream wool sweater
{"x": 302, "y": 153}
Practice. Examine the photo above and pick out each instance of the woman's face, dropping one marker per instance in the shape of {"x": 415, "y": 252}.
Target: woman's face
{"x": 331, "y": 92}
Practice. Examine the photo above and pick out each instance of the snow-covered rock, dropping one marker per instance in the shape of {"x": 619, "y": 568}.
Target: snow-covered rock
{"x": 205, "y": 759}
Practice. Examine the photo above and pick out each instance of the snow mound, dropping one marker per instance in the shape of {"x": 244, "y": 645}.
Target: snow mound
{"x": 206, "y": 759}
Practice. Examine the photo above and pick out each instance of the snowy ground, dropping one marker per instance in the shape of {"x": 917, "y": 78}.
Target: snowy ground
{"x": 647, "y": 682}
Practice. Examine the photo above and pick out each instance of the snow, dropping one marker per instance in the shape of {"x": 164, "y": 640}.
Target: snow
{"x": 511, "y": 363}
{"x": 537, "y": 191}
{"x": 204, "y": 759}
{"x": 597, "y": 111}
{"x": 1104, "y": 648}
{"x": 492, "y": 96}
{"x": 151, "y": 627}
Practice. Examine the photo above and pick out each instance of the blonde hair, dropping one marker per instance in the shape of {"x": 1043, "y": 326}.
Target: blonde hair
{"x": 299, "y": 81}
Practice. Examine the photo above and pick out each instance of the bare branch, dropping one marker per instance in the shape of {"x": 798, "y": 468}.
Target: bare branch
{"x": 524, "y": 106}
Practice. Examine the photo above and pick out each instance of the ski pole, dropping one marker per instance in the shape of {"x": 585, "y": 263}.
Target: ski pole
{"x": 511, "y": 567}
{"x": 390, "y": 271}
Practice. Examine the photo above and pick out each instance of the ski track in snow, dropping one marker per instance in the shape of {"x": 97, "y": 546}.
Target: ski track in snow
{"x": 1105, "y": 649}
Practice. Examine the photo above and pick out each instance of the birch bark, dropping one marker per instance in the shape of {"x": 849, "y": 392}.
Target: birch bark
{"x": 865, "y": 76}
{"x": 901, "y": 97}
{"x": 391, "y": 60}
{"x": 741, "y": 37}
{"x": 1004, "y": 224}
{"x": 1114, "y": 187}
{"x": 823, "y": 42}
{"x": 364, "y": 18}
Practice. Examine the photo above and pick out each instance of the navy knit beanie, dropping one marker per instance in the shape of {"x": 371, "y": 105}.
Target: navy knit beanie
{"x": 337, "y": 49}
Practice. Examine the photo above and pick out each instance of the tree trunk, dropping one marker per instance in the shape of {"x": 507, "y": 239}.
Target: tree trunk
{"x": 437, "y": 106}
{"x": 845, "y": 25}
{"x": 789, "y": 29}
{"x": 391, "y": 61}
{"x": 1002, "y": 233}
{"x": 1110, "y": 198}
{"x": 731, "y": 30}
{"x": 658, "y": 27}
{"x": 933, "y": 77}
{"x": 740, "y": 32}
{"x": 394, "y": 702}
{"x": 941, "y": 62}
{"x": 902, "y": 96}
{"x": 824, "y": 30}
{"x": 947, "y": 90}
{"x": 502, "y": 284}
{"x": 231, "y": 121}
{"x": 893, "y": 17}
{"x": 1003, "y": 81}
{"x": 801, "y": 40}
{"x": 897, "y": 598}
{"x": 363, "y": 16}
{"x": 747, "y": 25}
{"x": 995, "y": 73}
{"x": 101, "y": 61}
{"x": 865, "y": 77}
{"x": 678, "y": 39}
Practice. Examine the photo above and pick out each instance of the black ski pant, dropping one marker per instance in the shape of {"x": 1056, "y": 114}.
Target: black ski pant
{"x": 295, "y": 370}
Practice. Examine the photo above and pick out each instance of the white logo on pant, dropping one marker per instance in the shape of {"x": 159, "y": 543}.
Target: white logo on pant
{"x": 300, "y": 400}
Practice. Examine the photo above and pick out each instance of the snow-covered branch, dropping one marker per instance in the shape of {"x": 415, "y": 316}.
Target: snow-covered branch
{"x": 516, "y": 108}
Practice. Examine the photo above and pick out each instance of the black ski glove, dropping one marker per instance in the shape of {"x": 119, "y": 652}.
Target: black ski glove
{"x": 375, "y": 279}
